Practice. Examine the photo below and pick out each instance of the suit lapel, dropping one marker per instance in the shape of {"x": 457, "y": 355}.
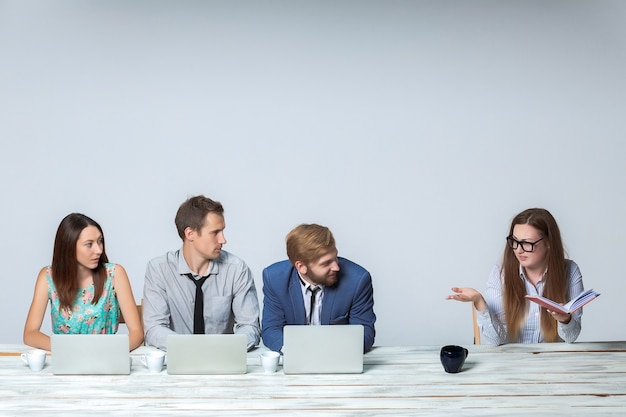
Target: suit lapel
{"x": 295, "y": 293}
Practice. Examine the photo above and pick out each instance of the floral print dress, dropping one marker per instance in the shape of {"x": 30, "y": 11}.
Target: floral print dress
{"x": 85, "y": 317}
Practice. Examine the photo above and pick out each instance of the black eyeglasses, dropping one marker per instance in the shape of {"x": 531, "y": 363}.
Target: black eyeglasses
{"x": 526, "y": 246}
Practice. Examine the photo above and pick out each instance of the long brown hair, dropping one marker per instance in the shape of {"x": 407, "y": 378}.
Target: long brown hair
{"x": 555, "y": 286}
{"x": 64, "y": 267}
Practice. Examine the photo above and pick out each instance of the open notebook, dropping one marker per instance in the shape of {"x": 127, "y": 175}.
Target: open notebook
{"x": 90, "y": 354}
{"x": 334, "y": 349}
{"x": 206, "y": 354}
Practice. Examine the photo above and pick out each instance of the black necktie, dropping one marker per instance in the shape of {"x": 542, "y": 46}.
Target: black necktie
{"x": 198, "y": 313}
{"x": 312, "y": 303}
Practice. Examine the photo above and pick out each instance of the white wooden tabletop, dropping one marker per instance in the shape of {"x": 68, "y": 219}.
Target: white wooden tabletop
{"x": 580, "y": 379}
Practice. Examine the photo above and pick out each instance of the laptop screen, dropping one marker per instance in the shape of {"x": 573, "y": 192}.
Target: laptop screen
{"x": 198, "y": 354}
{"x": 334, "y": 349}
{"x": 90, "y": 354}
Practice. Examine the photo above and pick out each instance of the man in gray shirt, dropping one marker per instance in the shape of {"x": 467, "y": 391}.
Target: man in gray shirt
{"x": 199, "y": 288}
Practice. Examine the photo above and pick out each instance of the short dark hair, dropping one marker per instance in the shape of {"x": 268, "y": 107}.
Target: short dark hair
{"x": 193, "y": 211}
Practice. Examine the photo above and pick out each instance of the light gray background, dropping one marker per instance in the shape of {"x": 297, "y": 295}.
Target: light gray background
{"x": 414, "y": 130}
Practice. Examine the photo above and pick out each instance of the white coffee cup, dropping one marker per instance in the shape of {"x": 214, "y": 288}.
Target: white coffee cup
{"x": 153, "y": 360}
{"x": 269, "y": 361}
{"x": 35, "y": 359}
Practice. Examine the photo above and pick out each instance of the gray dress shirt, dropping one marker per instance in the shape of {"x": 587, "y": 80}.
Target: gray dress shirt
{"x": 230, "y": 299}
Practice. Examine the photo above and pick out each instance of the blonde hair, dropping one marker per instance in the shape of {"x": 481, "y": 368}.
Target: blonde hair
{"x": 308, "y": 242}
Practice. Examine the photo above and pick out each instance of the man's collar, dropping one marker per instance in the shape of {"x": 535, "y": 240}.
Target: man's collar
{"x": 307, "y": 284}
{"x": 183, "y": 267}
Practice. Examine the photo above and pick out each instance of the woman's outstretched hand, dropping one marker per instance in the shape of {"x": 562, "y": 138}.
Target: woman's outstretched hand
{"x": 468, "y": 295}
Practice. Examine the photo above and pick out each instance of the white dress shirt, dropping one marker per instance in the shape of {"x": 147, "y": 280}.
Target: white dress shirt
{"x": 307, "y": 289}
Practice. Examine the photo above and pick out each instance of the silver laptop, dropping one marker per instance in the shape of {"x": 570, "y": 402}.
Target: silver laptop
{"x": 90, "y": 354}
{"x": 207, "y": 354}
{"x": 327, "y": 349}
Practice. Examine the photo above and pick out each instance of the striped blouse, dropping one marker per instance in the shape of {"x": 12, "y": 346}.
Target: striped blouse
{"x": 492, "y": 321}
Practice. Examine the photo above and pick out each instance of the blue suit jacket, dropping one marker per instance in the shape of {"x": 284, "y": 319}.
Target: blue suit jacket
{"x": 349, "y": 301}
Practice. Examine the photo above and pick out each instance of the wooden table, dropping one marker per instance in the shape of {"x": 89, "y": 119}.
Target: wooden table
{"x": 581, "y": 379}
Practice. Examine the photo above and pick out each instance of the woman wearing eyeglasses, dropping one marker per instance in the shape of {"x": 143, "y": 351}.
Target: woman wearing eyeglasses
{"x": 533, "y": 263}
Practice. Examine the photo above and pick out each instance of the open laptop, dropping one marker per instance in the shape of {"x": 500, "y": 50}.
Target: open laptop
{"x": 90, "y": 354}
{"x": 207, "y": 354}
{"x": 335, "y": 349}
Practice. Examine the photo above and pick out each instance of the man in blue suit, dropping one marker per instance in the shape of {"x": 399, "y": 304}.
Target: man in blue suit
{"x": 315, "y": 287}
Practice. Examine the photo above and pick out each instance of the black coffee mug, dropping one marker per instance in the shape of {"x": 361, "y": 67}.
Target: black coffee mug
{"x": 452, "y": 358}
